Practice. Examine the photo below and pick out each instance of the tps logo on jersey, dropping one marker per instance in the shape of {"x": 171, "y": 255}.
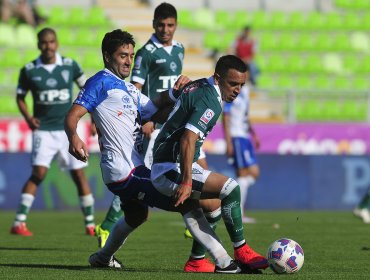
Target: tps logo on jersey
{"x": 207, "y": 116}
{"x": 173, "y": 66}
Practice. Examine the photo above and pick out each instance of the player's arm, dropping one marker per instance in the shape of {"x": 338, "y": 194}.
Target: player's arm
{"x": 187, "y": 151}
{"x": 32, "y": 122}
{"x": 148, "y": 127}
{"x": 254, "y": 135}
{"x": 77, "y": 147}
{"x": 226, "y": 126}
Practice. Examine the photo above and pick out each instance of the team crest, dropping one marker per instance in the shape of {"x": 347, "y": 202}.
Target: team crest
{"x": 173, "y": 66}
{"x": 51, "y": 82}
{"x": 65, "y": 75}
{"x": 207, "y": 116}
{"x": 181, "y": 56}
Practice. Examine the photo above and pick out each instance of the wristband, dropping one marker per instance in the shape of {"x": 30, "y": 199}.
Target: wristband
{"x": 186, "y": 184}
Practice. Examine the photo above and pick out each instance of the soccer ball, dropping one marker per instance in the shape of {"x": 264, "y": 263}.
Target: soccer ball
{"x": 285, "y": 256}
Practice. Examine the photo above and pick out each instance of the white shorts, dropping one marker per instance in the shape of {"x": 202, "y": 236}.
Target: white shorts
{"x": 166, "y": 177}
{"x": 47, "y": 145}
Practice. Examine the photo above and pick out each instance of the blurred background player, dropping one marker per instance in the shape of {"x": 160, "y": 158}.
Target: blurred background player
{"x": 50, "y": 78}
{"x": 362, "y": 209}
{"x": 158, "y": 64}
{"x": 240, "y": 140}
{"x": 245, "y": 47}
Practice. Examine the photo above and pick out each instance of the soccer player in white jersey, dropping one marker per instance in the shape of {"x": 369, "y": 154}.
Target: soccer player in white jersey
{"x": 240, "y": 140}
{"x": 50, "y": 78}
{"x": 118, "y": 109}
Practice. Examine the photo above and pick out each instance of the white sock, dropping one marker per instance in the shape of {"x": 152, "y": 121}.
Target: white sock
{"x": 203, "y": 233}
{"x": 116, "y": 239}
{"x": 87, "y": 206}
{"x": 245, "y": 183}
{"x": 25, "y": 201}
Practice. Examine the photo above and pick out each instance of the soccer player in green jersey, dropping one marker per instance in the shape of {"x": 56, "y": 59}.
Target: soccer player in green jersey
{"x": 50, "y": 79}
{"x": 175, "y": 172}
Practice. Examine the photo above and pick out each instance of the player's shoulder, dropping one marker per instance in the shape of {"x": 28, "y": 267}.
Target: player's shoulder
{"x": 131, "y": 87}
{"x": 67, "y": 61}
{"x": 196, "y": 86}
{"x": 29, "y": 66}
{"x": 100, "y": 79}
{"x": 179, "y": 45}
{"x": 148, "y": 48}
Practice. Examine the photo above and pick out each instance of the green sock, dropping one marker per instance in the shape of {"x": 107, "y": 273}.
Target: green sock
{"x": 232, "y": 216}
{"x": 113, "y": 215}
{"x": 365, "y": 201}
{"x": 24, "y": 207}
{"x": 198, "y": 249}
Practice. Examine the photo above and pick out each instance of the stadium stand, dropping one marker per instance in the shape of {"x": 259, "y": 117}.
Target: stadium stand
{"x": 310, "y": 48}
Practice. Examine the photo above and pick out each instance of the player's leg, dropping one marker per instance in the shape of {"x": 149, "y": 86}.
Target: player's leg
{"x": 76, "y": 169}
{"x": 43, "y": 151}
{"x": 27, "y": 197}
{"x": 246, "y": 168}
{"x": 113, "y": 215}
{"x": 228, "y": 191}
{"x": 362, "y": 209}
{"x": 86, "y": 199}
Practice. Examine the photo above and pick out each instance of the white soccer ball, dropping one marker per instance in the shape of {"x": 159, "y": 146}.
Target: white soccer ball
{"x": 285, "y": 256}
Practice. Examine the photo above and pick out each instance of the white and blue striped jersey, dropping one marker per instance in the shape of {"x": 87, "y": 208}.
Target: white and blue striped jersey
{"x": 238, "y": 110}
{"x": 118, "y": 108}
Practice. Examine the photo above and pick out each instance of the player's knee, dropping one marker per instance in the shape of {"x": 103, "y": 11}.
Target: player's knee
{"x": 135, "y": 213}
{"x": 36, "y": 179}
{"x": 228, "y": 187}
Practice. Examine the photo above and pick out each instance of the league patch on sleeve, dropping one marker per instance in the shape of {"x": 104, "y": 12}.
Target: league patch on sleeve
{"x": 207, "y": 116}
{"x": 138, "y": 63}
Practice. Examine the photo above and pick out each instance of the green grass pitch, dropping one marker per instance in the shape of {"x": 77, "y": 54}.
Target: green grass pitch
{"x": 336, "y": 246}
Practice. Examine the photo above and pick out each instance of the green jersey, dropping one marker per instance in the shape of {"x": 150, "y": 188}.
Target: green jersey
{"x": 197, "y": 109}
{"x": 51, "y": 87}
{"x": 157, "y": 67}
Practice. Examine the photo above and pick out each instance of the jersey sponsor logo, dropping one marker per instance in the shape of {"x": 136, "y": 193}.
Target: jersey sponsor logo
{"x": 207, "y": 116}
{"x": 125, "y": 99}
{"x": 196, "y": 171}
{"x": 173, "y": 66}
{"x": 54, "y": 95}
{"x": 65, "y": 75}
{"x": 167, "y": 82}
{"x": 51, "y": 82}
{"x": 202, "y": 125}
{"x": 37, "y": 78}
{"x": 138, "y": 64}
{"x": 162, "y": 60}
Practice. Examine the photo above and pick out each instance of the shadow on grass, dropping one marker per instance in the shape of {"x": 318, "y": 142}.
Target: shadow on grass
{"x": 35, "y": 249}
{"x": 85, "y": 267}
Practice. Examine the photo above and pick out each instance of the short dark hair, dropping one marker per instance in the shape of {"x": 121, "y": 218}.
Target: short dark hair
{"x": 165, "y": 10}
{"x": 45, "y": 31}
{"x": 227, "y": 62}
{"x": 114, "y": 39}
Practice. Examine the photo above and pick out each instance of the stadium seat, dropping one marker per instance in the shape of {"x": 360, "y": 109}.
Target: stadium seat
{"x": 261, "y": 20}
{"x": 304, "y": 83}
{"x": 77, "y": 16}
{"x": 360, "y": 41}
{"x": 361, "y": 84}
{"x": 323, "y": 83}
{"x": 364, "y": 67}
{"x": 66, "y": 36}
{"x": 224, "y": 19}
{"x": 11, "y": 58}
{"x": 306, "y": 42}
{"x": 96, "y": 17}
{"x": 352, "y": 63}
{"x": 332, "y": 111}
{"x": 227, "y": 40}
{"x": 332, "y": 63}
{"x": 212, "y": 40}
{"x": 266, "y": 82}
{"x": 185, "y": 18}
{"x": 7, "y": 35}
{"x": 57, "y": 16}
{"x": 92, "y": 60}
{"x": 295, "y": 64}
{"x": 314, "y": 64}
{"x": 342, "y": 83}
{"x": 204, "y": 19}
{"x": 333, "y": 21}
{"x": 287, "y": 41}
{"x": 276, "y": 63}
{"x": 354, "y": 110}
{"x": 342, "y": 43}
{"x": 315, "y": 21}
{"x": 297, "y": 21}
{"x": 26, "y": 36}
{"x": 241, "y": 19}
{"x": 279, "y": 20}
{"x": 268, "y": 41}
{"x": 8, "y": 106}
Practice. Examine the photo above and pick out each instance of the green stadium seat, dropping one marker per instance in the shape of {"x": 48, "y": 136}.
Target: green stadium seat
{"x": 223, "y": 19}
{"x": 324, "y": 42}
{"x": 66, "y": 36}
{"x": 354, "y": 110}
{"x": 185, "y": 18}
{"x": 285, "y": 83}
{"x": 241, "y": 19}
{"x": 304, "y": 83}
{"x": 30, "y": 55}
{"x": 306, "y": 42}
{"x": 72, "y": 53}
{"x": 77, "y": 16}
{"x": 96, "y": 17}
{"x": 287, "y": 41}
{"x": 352, "y": 22}
{"x": 268, "y": 41}
{"x": 361, "y": 84}
{"x": 204, "y": 19}
{"x": 342, "y": 43}
{"x": 58, "y": 16}
{"x": 212, "y": 40}
{"x": 344, "y": 4}
{"x": 314, "y": 64}
{"x": 26, "y": 36}
{"x": 360, "y": 41}
{"x": 295, "y": 64}
{"x": 323, "y": 83}
{"x": 279, "y": 20}
{"x": 86, "y": 37}
{"x": 11, "y": 58}
{"x": 332, "y": 111}
{"x": 227, "y": 40}
{"x": 333, "y": 64}
{"x": 92, "y": 60}
{"x": 333, "y": 22}
{"x": 266, "y": 82}
{"x": 8, "y": 105}
{"x": 342, "y": 83}
{"x": 7, "y": 35}
{"x": 352, "y": 63}
{"x": 276, "y": 63}
{"x": 315, "y": 21}
{"x": 261, "y": 20}
{"x": 297, "y": 21}
{"x": 312, "y": 110}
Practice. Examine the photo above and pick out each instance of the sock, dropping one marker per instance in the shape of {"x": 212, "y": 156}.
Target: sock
{"x": 24, "y": 207}
{"x": 365, "y": 201}
{"x": 198, "y": 251}
{"x": 87, "y": 207}
{"x": 113, "y": 215}
{"x": 116, "y": 239}
{"x": 243, "y": 184}
{"x": 202, "y": 232}
{"x": 230, "y": 210}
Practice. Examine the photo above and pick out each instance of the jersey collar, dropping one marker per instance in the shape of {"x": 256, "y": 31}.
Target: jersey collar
{"x": 58, "y": 61}
{"x": 211, "y": 81}
{"x": 111, "y": 73}
{"x": 159, "y": 44}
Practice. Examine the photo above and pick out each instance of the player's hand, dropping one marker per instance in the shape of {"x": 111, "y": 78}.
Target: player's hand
{"x": 148, "y": 129}
{"x": 181, "y": 81}
{"x": 33, "y": 123}
{"x": 78, "y": 149}
{"x": 229, "y": 150}
{"x": 183, "y": 192}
